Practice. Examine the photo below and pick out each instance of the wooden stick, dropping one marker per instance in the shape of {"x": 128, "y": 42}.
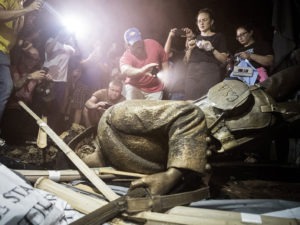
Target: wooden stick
{"x": 59, "y": 175}
{"x": 161, "y": 218}
{"x": 41, "y": 140}
{"x": 226, "y": 215}
{"x": 211, "y": 217}
{"x": 83, "y": 203}
{"x": 90, "y": 175}
{"x": 111, "y": 170}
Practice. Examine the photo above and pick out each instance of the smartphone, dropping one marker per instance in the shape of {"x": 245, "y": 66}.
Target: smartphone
{"x": 154, "y": 71}
{"x": 107, "y": 105}
{"x": 46, "y": 69}
{"x": 180, "y": 33}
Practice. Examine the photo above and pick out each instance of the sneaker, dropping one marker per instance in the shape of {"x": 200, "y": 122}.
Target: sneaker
{"x": 3, "y": 146}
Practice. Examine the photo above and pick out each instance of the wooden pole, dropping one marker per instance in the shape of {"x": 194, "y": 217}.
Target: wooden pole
{"x": 90, "y": 175}
{"x": 198, "y": 216}
{"x": 59, "y": 175}
{"x": 83, "y": 203}
{"x": 110, "y": 170}
{"x": 41, "y": 140}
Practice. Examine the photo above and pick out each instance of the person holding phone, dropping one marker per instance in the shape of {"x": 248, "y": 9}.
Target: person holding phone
{"x": 101, "y": 100}
{"x": 11, "y": 23}
{"x": 205, "y": 55}
{"x": 176, "y": 76}
{"x": 26, "y": 75}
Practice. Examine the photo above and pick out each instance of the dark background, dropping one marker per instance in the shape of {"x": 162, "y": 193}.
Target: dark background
{"x": 110, "y": 18}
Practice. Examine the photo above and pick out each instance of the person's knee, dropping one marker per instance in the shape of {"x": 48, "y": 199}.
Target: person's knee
{"x": 9, "y": 88}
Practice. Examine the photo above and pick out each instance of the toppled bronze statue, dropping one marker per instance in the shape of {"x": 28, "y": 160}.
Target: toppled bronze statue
{"x": 168, "y": 139}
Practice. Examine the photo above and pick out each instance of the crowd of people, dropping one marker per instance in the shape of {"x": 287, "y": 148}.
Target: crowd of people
{"x": 50, "y": 77}
{"x": 169, "y": 141}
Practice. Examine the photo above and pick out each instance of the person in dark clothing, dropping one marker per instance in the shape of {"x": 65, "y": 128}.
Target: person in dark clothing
{"x": 205, "y": 55}
{"x": 259, "y": 54}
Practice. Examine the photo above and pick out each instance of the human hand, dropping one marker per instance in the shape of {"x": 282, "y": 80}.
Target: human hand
{"x": 147, "y": 69}
{"x": 25, "y": 45}
{"x": 35, "y": 5}
{"x": 191, "y": 43}
{"x": 172, "y": 32}
{"x": 243, "y": 55}
{"x": 206, "y": 45}
{"x": 48, "y": 77}
{"x": 37, "y": 75}
{"x": 158, "y": 183}
{"x": 189, "y": 33}
{"x": 101, "y": 105}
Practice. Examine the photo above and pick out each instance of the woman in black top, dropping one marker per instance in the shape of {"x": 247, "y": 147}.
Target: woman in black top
{"x": 259, "y": 54}
{"x": 204, "y": 56}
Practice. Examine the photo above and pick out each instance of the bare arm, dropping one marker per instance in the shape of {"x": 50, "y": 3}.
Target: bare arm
{"x": 93, "y": 103}
{"x": 8, "y": 15}
{"x": 37, "y": 75}
{"x": 168, "y": 43}
{"x": 165, "y": 65}
{"x": 190, "y": 45}
{"x": 265, "y": 60}
{"x": 220, "y": 56}
{"x": 130, "y": 71}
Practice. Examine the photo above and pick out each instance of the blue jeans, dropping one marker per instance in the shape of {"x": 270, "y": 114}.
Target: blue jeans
{"x": 6, "y": 83}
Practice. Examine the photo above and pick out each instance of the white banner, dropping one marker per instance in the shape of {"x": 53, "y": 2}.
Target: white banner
{"x": 21, "y": 204}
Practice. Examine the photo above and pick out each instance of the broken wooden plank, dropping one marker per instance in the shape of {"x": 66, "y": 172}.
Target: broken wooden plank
{"x": 239, "y": 218}
{"x": 59, "y": 175}
{"x": 90, "y": 175}
{"x": 83, "y": 203}
{"x": 110, "y": 170}
{"x": 212, "y": 218}
{"x": 41, "y": 140}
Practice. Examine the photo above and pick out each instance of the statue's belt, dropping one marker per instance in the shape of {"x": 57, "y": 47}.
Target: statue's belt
{"x": 132, "y": 203}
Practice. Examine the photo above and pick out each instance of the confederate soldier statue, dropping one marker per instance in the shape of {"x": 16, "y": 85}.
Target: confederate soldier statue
{"x": 170, "y": 139}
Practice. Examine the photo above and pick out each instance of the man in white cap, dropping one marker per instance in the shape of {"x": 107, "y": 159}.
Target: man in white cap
{"x": 140, "y": 63}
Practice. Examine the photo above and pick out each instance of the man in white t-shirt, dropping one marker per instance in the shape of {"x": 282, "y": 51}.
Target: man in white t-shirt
{"x": 57, "y": 55}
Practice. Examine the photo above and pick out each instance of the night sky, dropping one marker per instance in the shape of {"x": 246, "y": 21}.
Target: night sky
{"x": 110, "y": 18}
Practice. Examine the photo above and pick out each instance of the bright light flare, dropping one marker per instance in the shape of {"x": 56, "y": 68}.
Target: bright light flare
{"x": 76, "y": 25}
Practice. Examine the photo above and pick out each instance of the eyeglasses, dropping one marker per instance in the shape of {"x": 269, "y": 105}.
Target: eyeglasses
{"x": 203, "y": 20}
{"x": 241, "y": 35}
